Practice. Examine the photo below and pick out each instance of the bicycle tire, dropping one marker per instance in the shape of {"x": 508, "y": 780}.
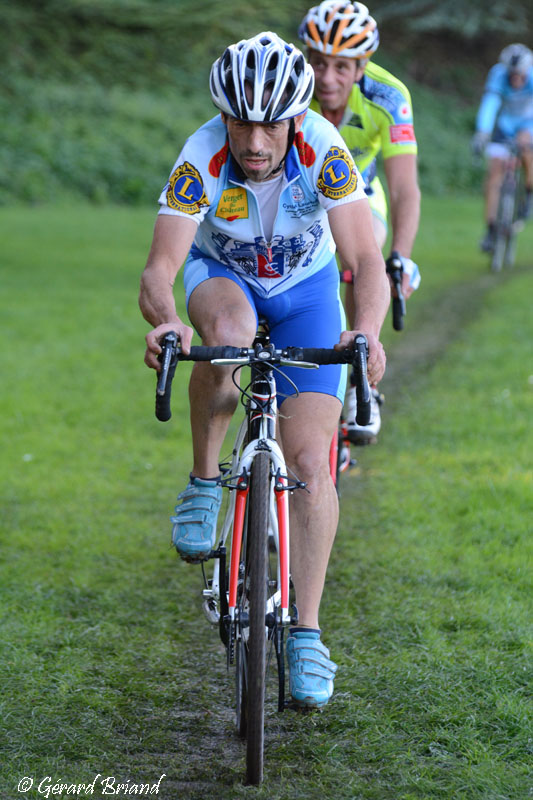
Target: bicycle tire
{"x": 498, "y": 253}
{"x": 510, "y": 250}
{"x": 516, "y": 224}
{"x": 504, "y": 245}
{"x": 257, "y": 579}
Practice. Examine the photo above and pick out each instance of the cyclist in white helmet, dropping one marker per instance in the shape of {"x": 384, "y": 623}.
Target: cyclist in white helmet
{"x": 506, "y": 114}
{"x": 372, "y": 110}
{"x": 256, "y": 203}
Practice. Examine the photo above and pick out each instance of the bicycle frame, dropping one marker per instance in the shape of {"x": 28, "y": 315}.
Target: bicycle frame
{"x": 259, "y": 426}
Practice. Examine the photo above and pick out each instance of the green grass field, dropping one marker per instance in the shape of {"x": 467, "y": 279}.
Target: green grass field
{"x": 108, "y": 665}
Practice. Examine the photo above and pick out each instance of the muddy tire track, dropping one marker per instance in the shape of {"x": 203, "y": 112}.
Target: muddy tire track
{"x": 440, "y": 321}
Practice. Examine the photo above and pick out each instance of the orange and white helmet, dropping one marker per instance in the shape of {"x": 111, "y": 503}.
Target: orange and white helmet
{"x": 340, "y": 29}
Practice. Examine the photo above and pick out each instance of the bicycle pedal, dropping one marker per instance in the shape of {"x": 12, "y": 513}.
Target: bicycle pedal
{"x": 195, "y": 559}
{"x": 290, "y": 705}
{"x": 210, "y": 610}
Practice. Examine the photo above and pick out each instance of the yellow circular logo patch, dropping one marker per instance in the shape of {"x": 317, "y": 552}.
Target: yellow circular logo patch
{"x": 338, "y": 176}
{"x": 186, "y": 189}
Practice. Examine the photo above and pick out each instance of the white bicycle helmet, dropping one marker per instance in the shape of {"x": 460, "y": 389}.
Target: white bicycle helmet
{"x": 262, "y": 79}
{"x": 340, "y": 29}
{"x": 517, "y": 58}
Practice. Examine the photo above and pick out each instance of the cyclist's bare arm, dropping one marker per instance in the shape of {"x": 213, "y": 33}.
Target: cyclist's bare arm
{"x": 173, "y": 237}
{"x": 351, "y": 227}
{"x": 404, "y": 196}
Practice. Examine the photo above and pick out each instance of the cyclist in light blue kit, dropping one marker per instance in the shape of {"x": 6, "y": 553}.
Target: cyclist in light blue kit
{"x": 258, "y": 201}
{"x": 505, "y": 115}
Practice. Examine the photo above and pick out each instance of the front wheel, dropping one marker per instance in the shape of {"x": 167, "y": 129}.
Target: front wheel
{"x": 257, "y": 592}
{"x": 504, "y": 245}
{"x": 251, "y": 631}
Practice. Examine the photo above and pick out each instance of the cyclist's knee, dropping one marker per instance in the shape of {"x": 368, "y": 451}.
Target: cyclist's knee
{"x": 222, "y": 314}
{"x": 524, "y": 140}
{"x": 496, "y": 168}
{"x": 224, "y": 327}
{"x": 310, "y": 463}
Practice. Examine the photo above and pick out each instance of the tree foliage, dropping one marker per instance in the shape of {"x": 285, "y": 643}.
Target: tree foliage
{"x": 133, "y": 42}
{"x": 468, "y": 20}
{"x": 98, "y": 96}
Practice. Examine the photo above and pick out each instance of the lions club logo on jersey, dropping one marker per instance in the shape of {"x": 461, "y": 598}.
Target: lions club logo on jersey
{"x": 338, "y": 176}
{"x": 186, "y": 190}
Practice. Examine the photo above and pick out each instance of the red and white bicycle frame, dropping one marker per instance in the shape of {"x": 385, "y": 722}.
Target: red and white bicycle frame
{"x": 241, "y": 468}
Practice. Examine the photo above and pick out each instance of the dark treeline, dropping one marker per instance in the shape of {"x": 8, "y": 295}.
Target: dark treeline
{"x": 97, "y": 96}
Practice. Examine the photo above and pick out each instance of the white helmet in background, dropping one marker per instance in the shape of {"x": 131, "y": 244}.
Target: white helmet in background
{"x": 262, "y": 79}
{"x": 340, "y": 29}
{"x": 517, "y": 58}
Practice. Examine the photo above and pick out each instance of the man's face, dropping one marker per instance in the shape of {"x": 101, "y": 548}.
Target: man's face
{"x": 517, "y": 79}
{"x": 334, "y": 78}
{"x": 258, "y": 147}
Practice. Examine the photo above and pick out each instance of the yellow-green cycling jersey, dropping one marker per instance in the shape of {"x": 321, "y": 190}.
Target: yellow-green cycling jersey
{"x": 378, "y": 117}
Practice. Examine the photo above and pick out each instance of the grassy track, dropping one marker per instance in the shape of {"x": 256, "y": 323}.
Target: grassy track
{"x": 107, "y": 664}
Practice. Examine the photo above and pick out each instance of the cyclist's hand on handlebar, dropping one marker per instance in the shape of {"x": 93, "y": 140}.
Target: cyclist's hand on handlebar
{"x": 376, "y": 354}
{"x": 153, "y": 339}
{"x": 478, "y": 142}
{"x": 410, "y": 275}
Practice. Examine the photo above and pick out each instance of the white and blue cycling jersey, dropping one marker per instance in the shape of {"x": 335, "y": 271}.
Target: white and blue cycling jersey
{"x": 505, "y": 110}
{"x": 207, "y": 185}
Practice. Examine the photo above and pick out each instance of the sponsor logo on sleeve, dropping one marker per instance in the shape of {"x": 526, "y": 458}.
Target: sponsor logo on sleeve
{"x": 186, "y": 190}
{"x": 233, "y": 204}
{"x": 402, "y": 134}
{"x": 405, "y": 113}
{"x": 338, "y": 176}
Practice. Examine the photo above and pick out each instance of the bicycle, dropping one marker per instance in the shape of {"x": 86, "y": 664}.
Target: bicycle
{"x": 509, "y": 219}
{"x": 249, "y": 600}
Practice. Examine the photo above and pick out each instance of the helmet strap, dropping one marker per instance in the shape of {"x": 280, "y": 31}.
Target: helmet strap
{"x": 290, "y": 142}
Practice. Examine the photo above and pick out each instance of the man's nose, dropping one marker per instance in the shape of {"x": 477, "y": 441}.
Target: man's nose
{"x": 327, "y": 75}
{"x": 256, "y": 138}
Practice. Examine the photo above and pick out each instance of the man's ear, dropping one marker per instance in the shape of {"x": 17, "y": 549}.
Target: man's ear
{"x": 360, "y": 68}
{"x": 224, "y": 118}
{"x": 298, "y": 121}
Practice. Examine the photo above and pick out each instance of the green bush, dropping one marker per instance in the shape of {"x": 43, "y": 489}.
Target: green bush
{"x": 106, "y": 144}
{"x": 100, "y": 95}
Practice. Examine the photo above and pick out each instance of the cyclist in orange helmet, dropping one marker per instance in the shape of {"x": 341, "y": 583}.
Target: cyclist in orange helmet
{"x": 372, "y": 110}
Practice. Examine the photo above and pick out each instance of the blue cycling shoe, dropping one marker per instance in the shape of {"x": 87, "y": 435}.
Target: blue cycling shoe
{"x": 195, "y": 522}
{"x": 311, "y": 672}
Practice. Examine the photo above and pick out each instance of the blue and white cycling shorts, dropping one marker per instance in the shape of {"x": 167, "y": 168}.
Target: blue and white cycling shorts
{"x": 507, "y": 128}
{"x": 310, "y": 314}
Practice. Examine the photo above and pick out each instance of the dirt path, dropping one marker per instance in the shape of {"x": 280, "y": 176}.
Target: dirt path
{"x": 438, "y": 323}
